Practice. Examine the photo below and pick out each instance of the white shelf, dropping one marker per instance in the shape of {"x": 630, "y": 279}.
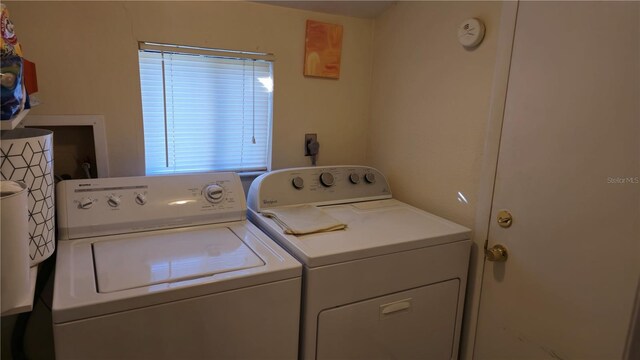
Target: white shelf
{"x": 14, "y": 121}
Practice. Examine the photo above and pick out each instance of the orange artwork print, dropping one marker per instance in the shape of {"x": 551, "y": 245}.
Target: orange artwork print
{"x": 323, "y": 48}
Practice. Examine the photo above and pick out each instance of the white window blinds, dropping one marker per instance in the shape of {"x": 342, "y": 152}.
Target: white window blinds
{"x": 205, "y": 112}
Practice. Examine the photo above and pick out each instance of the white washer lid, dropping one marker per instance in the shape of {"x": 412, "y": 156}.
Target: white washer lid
{"x": 165, "y": 258}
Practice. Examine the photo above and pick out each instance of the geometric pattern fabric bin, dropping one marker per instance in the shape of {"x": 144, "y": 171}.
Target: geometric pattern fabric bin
{"x": 26, "y": 155}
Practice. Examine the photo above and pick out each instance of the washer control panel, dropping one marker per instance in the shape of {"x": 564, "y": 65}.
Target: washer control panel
{"x": 108, "y": 206}
{"x": 317, "y": 185}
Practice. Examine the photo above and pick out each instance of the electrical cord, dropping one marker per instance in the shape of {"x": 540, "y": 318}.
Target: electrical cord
{"x": 85, "y": 167}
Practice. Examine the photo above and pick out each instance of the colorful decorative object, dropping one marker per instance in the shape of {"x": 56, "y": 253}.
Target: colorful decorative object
{"x": 12, "y": 94}
{"x": 323, "y": 49}
{"x": 8, "y": 41}
{"x": 14, "y": 97}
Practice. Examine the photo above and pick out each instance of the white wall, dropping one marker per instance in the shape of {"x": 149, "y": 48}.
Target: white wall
{"x": 430, "y": 103}
{"x": 86, "y": 58}
{"x": 87, "y": 63}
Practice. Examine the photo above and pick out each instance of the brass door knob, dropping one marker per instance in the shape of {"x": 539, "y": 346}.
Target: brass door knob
{"x": 505, "y": 219}
{"x": 496, "y": 253}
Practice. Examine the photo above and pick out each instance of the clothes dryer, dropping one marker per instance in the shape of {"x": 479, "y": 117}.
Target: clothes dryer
{"x": 389, "y": 285}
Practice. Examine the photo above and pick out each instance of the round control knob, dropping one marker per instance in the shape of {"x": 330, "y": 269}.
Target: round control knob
{"x": 141, "y": 199}
{"x": 214, "y": 193}
{"x": 113, "y": 201}
{"x": 354, "y": 178}
{"x": 86, "y": 203}
{"x": 297, "y": 182}
{"x": 370, "y": 178}
{"x": 326, "y": 179}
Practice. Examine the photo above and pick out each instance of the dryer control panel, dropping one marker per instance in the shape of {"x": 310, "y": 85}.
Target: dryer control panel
{"x": 317, "y": 185}
{"x": 95, "y": 207}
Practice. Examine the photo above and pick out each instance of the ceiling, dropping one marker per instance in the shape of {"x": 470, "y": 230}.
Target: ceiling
{"x": 361, "y": 9}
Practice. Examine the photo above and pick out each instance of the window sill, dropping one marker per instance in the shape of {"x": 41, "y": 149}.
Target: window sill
{"x": 251, "y": 174}
{"x": 247, "y": 178}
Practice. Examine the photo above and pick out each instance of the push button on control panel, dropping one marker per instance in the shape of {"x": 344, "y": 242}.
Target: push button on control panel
{"x": 354, "y": 178}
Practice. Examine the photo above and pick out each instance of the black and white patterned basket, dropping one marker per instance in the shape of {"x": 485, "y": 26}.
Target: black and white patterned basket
{"x": 27, "y": 156}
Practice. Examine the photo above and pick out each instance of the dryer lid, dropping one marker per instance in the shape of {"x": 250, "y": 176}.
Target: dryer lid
{"x": 165, "y": 258}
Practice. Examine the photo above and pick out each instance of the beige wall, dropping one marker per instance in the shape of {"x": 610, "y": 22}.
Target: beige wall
{"x": 431, "y": 101}
{"x": 411, "y": 101}
{"x": 86, "y": 58}
{"x": 430, "y": 104}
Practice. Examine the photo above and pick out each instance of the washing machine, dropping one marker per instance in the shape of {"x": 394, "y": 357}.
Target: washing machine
{"x": 385, "y": 280}
{"x": 168, "y": 267}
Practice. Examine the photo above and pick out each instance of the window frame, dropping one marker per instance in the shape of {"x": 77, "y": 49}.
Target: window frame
{"x": 223, "y": 54}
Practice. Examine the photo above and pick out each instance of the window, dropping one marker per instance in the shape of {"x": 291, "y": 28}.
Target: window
{"x": 205, "y": 109}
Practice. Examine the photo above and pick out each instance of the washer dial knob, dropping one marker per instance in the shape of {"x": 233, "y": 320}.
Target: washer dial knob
{"x": 214, "y": 193}
{"x": 370, "y": 178}
{"x": 354, "y": 178}
{"x": 141, "y": 199}
{"x": 326, "y": 179}
{"x": 113, "y": 200}
{"x": 297, "y": 182}
{"x": 86, "y": 203}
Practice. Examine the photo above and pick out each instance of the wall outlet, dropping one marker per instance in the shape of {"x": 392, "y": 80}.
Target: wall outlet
{"x": 309, "y": 138}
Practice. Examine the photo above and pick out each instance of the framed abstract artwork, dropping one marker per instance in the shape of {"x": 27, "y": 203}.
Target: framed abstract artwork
{"x": 322, "y": 50}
